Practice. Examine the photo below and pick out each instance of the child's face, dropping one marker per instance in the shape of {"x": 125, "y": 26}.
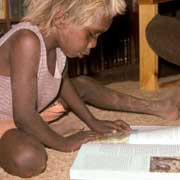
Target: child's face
{"x": 77, "y": 41}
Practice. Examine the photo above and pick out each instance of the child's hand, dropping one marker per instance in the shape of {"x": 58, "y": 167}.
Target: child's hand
{"x": 74, "y": 142}
{"x": 110, "y": 127}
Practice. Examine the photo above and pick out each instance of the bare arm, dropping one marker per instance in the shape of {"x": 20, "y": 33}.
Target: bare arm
{"x": 25, "y": 57}
{"x": 71, "y": 97}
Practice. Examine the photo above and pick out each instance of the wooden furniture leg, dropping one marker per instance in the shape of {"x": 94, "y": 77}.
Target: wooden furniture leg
{"x": 148, "y": 59}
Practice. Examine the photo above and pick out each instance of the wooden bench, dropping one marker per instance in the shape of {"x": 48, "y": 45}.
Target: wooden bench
{"x": 148, "y": 60}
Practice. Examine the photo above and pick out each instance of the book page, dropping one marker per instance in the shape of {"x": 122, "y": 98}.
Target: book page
{"x": 105, "y": 161}
{"x": 123, "y": 138}
{"x": 145, "y": 135}
{"x": 164, "y": 135}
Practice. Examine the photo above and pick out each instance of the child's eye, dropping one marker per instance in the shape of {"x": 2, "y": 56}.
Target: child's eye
{"x": 91, "y": 35}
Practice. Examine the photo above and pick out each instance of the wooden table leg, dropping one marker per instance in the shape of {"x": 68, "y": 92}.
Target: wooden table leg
{"x": 148, "y": 59}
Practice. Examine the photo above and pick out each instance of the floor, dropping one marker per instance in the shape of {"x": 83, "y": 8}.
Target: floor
{"x": 59, "y": 163}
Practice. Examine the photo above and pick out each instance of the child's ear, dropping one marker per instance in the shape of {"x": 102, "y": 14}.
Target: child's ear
{"x": 59, "y": 19}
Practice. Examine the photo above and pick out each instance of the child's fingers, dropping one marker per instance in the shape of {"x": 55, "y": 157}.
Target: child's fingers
{"x": 118, "y": 125}
{"x": 113, "y": 127}
{"x": 123, "y": 125}
{"x": 90, "y": 136}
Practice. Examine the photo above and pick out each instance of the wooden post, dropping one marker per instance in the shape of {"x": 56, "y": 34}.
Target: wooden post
{"x": 148, "y": 59}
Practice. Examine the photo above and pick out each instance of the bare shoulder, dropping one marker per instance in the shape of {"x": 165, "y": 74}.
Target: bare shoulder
{"x": 25, "y": 52}
{"x": 20, "y": 47}
{"x": 25, "y": 49}
{"x": 25, "y": 40}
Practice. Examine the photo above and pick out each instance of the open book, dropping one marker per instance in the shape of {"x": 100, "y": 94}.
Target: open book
{"x": 149, "y": 153}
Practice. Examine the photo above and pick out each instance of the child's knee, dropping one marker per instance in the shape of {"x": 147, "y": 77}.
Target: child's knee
{"x": 29, "y": 162}
{"x": 21, "y": 154}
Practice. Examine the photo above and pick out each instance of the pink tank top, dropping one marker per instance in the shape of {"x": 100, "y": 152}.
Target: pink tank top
{"x": 48, "y": 85}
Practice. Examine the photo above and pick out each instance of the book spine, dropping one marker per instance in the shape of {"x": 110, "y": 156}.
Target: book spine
{"x": 9, "y": 8}
{"x": 10, "y": 3}
{"x": 22, "y": 8}
{"x": 16, "y": 9}
{"x": 2, "y": 9}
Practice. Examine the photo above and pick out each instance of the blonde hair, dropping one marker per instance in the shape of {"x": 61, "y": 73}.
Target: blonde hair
{"x": 42, "y": 12}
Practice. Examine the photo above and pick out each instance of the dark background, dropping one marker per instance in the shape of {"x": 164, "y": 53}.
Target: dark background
{"x": 116, "y": 57}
